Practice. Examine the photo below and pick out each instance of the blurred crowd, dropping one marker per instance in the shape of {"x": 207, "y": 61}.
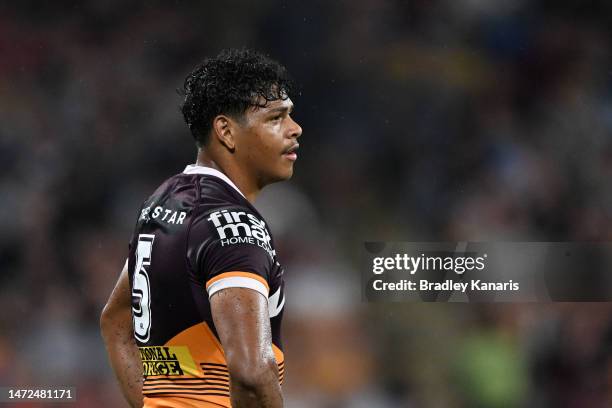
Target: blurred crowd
{"x": 440, "y": 120}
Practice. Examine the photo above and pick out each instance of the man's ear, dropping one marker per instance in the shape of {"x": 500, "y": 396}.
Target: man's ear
{"x": 224, "y": 130}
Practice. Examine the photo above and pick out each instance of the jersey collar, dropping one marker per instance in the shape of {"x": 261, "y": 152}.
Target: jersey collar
{"x": 209, "y": 171}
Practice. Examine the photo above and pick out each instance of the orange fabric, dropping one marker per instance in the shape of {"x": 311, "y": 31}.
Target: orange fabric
{"x": 178, "y": 402}
{"x": 211, "y": 375}
{"x": 208, "y": 354}
{"x": 280, "y": 361}
{"x": 237, "y": 273}
{"x": 202, "y": 343}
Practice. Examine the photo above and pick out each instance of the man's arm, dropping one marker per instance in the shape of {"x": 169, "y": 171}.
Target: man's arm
{"x": 243, "y": 324}
{"x": 117, "y": 331}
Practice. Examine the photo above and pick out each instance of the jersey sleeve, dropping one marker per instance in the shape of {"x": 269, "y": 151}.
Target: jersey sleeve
{"x": 229, "y": 248}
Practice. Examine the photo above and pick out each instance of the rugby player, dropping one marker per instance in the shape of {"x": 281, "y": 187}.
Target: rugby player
{"x": 194, "y": 319}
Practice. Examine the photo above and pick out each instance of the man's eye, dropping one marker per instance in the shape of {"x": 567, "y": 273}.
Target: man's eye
{"x": 279, "y": 117}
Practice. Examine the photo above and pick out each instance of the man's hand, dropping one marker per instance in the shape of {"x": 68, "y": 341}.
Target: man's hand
{"x": 117, "y": 331}
{"x": 243, "y": 324}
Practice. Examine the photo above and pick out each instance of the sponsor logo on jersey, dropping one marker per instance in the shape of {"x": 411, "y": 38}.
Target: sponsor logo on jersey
{"x": 162, "y": 214}
{"x": 239, "y": 227}
{"x": 169, "y": 361}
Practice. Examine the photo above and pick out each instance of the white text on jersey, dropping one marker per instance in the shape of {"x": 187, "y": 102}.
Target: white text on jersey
{"x": 177, "y": 217}
{"x": 238, "y": 227}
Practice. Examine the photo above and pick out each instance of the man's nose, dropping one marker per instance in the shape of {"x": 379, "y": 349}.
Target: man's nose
{"x": 296, "y": 130}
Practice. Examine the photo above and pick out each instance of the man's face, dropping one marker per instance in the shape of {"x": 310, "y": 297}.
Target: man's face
{"x": 267, "y": 141}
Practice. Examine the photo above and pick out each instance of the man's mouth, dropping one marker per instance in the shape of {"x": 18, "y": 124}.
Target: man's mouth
{"x": 290, "y": 153}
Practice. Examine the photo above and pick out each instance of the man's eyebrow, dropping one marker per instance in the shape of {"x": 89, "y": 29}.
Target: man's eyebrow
{"x": 281, "y": 109}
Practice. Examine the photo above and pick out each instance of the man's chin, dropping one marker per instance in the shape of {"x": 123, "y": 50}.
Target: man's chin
{"x": 284, "y": 175}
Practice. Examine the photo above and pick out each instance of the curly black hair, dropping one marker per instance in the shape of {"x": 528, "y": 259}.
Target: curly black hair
{"x": 233, "y": 81}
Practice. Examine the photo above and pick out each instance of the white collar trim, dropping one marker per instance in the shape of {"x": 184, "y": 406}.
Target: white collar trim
{"x": 209, "y": 171}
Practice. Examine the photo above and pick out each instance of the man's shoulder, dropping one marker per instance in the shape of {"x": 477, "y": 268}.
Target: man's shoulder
{"x": 197, "y": 190}
{"x": 198, "y": 199}
{"x": 215, "y": 192}
{"x": 214, "y": 187}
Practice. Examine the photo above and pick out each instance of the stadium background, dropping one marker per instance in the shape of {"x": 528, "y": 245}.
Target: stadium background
{"x": 423, "y": 120}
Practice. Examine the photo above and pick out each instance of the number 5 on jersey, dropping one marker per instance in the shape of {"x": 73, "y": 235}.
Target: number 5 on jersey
{"x": 141, "y": 290}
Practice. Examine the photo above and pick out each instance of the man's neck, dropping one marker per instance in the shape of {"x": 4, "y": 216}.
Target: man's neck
{"x": 248, "y": 188}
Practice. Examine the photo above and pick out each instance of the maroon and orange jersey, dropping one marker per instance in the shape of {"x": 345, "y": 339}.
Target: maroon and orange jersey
{"x": 197, "y": 234}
